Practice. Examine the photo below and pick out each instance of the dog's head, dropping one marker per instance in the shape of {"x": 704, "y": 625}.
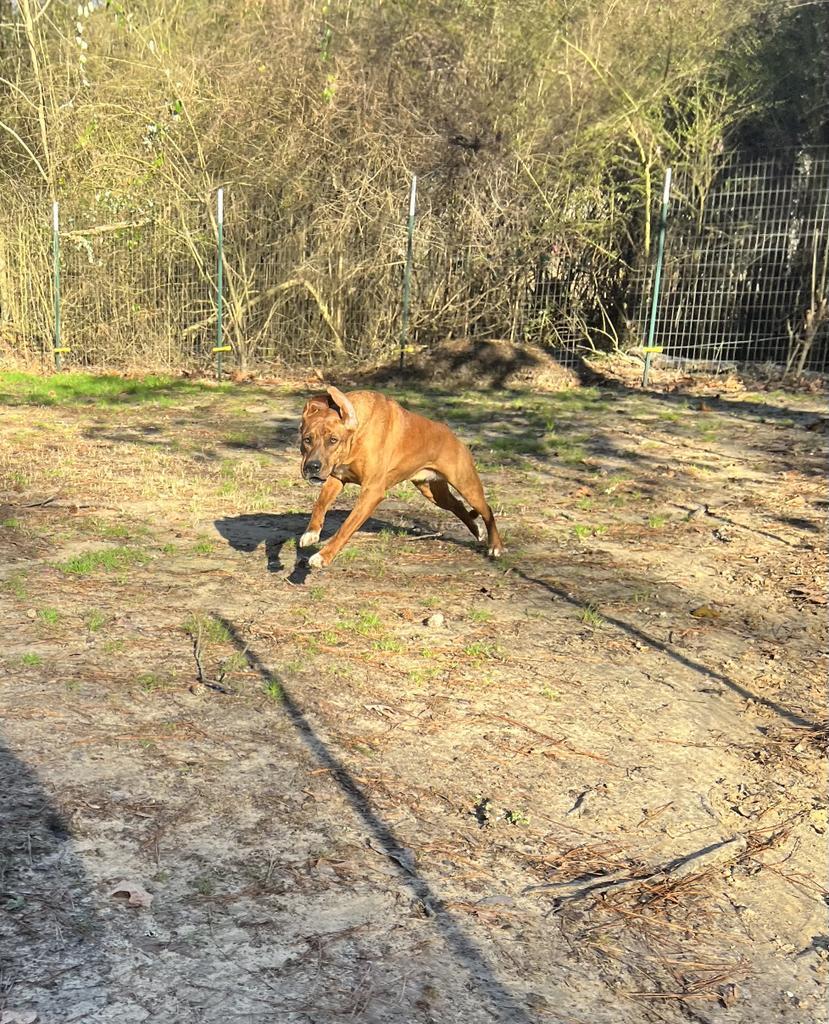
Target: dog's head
{"x": 325, "y": 434}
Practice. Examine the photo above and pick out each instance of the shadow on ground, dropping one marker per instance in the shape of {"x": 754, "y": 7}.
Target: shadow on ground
{"x": 468, "y": 956}
{"x": 273, "y": 532}
{"x": 47, "y": 916}
{"x": 787, "y": 714}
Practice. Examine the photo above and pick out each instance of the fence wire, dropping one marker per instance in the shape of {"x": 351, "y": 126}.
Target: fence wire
{"x": 745, "y": 276}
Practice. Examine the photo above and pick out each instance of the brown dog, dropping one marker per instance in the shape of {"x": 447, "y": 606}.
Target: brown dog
{"x": 367, "y": 439}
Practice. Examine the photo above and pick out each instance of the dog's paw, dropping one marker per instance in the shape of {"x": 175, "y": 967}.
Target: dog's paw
{"x": 316, "y": 561}
{"x": 494, "y": 552}
{"x": 309, "y": 538}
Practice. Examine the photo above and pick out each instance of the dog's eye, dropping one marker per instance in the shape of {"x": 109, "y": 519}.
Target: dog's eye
{"x": 307, "y": 440}
{"x": 333, "y": 440}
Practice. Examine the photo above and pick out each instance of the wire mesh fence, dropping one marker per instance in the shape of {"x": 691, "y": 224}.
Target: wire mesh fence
{"x": 745, "y": 276}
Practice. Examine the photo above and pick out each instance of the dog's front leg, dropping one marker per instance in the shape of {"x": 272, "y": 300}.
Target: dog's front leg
{"x": 370, "y": 498}
{"x": 327, "y": 496}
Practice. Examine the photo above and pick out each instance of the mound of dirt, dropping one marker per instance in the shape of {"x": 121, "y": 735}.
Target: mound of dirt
{"x": 468, "y": 362}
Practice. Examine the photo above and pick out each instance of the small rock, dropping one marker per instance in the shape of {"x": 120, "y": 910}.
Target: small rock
{"x": 31, "y": 613}
{"x": 137, "y": 895}
{"x": 435, "y": 621}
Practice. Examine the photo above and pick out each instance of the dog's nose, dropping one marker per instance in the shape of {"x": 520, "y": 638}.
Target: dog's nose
{"x": 313, "y": 466}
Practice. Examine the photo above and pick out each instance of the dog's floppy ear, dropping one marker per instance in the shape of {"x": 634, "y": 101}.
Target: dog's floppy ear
{"x": 346, "y": 409}
{"x": 319, "y": 403}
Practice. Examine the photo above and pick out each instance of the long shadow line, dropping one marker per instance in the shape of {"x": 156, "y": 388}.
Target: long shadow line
{"x": 663, "y": 648}
{"x": 471, "y": 958}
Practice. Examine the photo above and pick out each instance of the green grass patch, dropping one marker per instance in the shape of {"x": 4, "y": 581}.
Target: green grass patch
{"x": 16, "y": 585}
{"x": 95, "y": 620}
{"x": 367, "y": 623}
{"x": 11, "y": 524}
{"x": 206, "y": 629}
{"x": 591, "y": 616}
{"x": 106, "y": 560}
{"x": 275, "y": 690}
{"x": 49, "y": 616}
{"x": 388, "y": 643}
{"x": 100, "y": 389}
{"x": 479, "y": 615}
{"x": 582, "y": 531}
{"x": 421, "y": 676}
{"x": 149, "y": 681}
{"x": 31, "y": 660}
{"x": 112, "y": 531}
{"x": 481, "y": 650}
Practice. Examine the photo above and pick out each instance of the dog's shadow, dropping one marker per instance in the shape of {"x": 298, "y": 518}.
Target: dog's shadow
{"x": 273, "y": 532}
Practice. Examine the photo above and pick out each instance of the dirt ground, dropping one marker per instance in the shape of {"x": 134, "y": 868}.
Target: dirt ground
{"x": 594, "y": 793}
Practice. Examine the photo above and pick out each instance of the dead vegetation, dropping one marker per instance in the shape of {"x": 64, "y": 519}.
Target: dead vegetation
{"x": 538, "y": 142}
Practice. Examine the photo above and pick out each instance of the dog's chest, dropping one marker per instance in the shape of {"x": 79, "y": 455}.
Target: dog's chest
{"x": 345, "y": 474}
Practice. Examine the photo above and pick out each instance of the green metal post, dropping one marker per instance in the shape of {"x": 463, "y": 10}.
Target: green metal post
{"x": 220, "y": 347}
{"x": 407, "y": 273}
{"x": 57, "y": 348}
{"x": 657, "y": 278}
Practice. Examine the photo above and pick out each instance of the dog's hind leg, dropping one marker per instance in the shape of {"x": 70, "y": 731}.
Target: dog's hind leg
{"x": 437, "y": 491}
{"x": 468, "y": 484}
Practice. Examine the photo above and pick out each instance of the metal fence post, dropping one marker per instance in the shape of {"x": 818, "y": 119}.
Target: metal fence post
{"x": 650, "y": 348}
{"x": 220, "y": 347}
{"x": 407, "y": 272}
{"x": 57, "y": 348}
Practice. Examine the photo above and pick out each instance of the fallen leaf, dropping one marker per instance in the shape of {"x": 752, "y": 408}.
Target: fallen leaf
{"x": 137, "y": 895}
{"x": 705, "y": 611}
{"x": 729, "y": 994}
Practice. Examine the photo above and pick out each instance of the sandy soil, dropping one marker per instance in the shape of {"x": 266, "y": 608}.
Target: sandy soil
{"x": 595, "y": 793}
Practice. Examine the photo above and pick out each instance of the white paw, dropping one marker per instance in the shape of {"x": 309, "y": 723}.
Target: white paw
{"x": 309, "y": 539}
{"x": 494, "y": 552}
{"x": 481, "y": 528}
{"x": 316, "y": 562}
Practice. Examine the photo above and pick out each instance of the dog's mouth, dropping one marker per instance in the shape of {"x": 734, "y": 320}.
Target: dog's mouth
{"x": 318, "y": 481}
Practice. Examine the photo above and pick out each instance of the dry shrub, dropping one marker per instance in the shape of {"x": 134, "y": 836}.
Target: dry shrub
{"x": 537, "y": 129}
